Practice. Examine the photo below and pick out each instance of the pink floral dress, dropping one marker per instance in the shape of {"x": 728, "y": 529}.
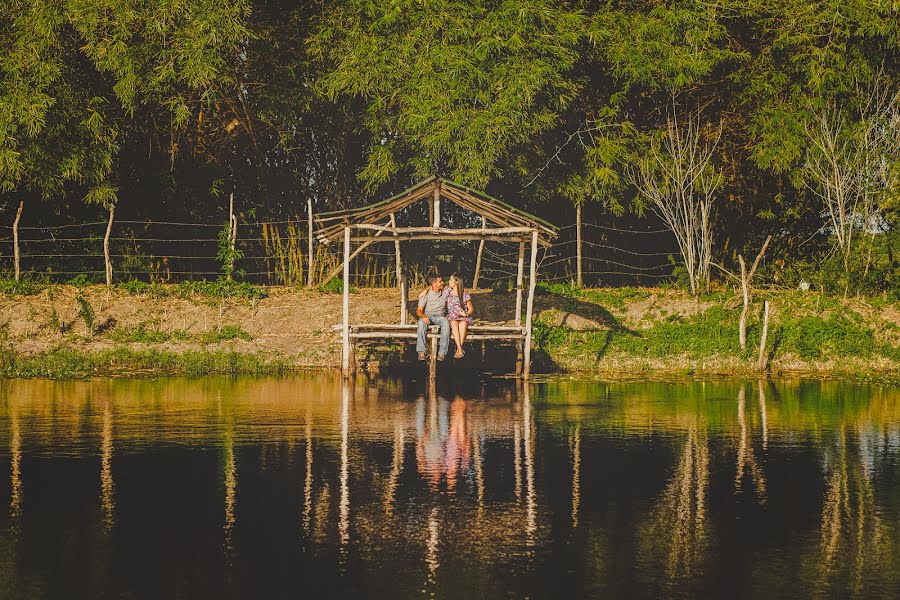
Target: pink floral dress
{"x": 455, "y": 311}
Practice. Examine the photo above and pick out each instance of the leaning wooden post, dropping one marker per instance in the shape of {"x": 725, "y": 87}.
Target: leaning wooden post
{"x": 745, "y": 290}
{"x": 345, "y": 356}
{"x": 16, "y": 265}
{"x": 763, "y": 358}
{"x": 478, "y": 256}
{"x": 399, "y": 266}
{"x": 112, "y": 210}
{"x": 532, "y": 281}
{"x": 309, "y": 233}
{"x": 520, "y": 283}
{"x": 579, "y": 279}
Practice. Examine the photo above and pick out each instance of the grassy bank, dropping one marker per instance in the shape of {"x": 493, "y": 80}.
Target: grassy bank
{"x": 65, "y": 363}
{"x": 642, "y": 332}
{"x": 85, "y": 330}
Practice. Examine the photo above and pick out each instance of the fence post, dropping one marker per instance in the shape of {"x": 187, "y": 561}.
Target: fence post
{"x": 478, "y": 257}
{"x": 401, "y": 283}
{"x": 16, "y": 239}
{"x": 763, "y": 359}
{"x": 232, "y": 221}
{"x": 107, "y": 262}
{"x": 520, "y": 283}
{"x": 532, "y": 281}
{"x": 309, "y": 216}
{"x": 578, "y": 244}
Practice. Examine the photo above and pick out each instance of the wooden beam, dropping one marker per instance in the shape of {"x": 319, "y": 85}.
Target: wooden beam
{"x": 437, "y": 207}
{"x": 478, "y": 257}
{"x": 16, "y": 266}
{"x": 106, "y": 261}
{"x": 310, "y": 278}
{"x": 520, "y": 283}
{"x": 443, "y": 230}
{"x": 345, "y": 357}
{"x": 532, "y": 281}
{"x": 409, "y": 237}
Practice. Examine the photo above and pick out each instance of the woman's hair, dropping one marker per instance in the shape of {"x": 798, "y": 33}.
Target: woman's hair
{"x": 460, "y": 289}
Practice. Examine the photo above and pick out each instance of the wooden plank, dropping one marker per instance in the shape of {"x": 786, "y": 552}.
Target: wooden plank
{"x": 345, "y": 362}
{"x": 520, "y": 274}
{"x": 528, "y": 317}
{"x": 411, "y": 335}
{"x": 412, "y": 327}
{"x": 399, "y": 268}
{"x": 442, "y": 230}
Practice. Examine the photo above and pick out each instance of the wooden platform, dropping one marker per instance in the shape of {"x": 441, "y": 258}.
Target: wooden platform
{"x": 387, "y": 332}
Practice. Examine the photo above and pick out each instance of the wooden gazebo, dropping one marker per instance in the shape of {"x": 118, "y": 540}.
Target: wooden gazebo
{"x": 376, "y": 223}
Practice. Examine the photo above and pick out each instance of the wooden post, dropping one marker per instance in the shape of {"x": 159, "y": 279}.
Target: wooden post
{"x": 310, "y": 279}
{"x": 112, "y": 210}
{"x": 745, "y": 290}
{"x": 432, "y": 356}
{"x": 345, "y": 362}
{"x": 520, "y": 283}
{"x": 580, "y": 278}
{"x": 436, "y": 210}
{"x": 232, "y": 224}
{"x": 478, "y": 257}
{"x": 532, "y": 281}
{"x": 763, "y": 361}
{"x": 400, "y": 280}
{"x": 17, "y": 267}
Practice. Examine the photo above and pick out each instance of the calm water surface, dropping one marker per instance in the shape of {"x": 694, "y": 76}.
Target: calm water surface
{"x": 306, "y": 488}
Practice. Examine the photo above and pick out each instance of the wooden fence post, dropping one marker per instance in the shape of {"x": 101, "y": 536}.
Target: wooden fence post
{"x": 107, "y": 262}
{"x": 520, "y": 283}
{"x": 580, "y": 278}
{"x": 311, "y": 260}
{"x": 763, "y": 361}
{"x": 401, "y": 283}
{"x": 17, "y": 267}
{"x": 437, "y": 207}
{"x": 528, "y": 315}
{"x": 345, "y": 358}
{"x": 478, "y": 257}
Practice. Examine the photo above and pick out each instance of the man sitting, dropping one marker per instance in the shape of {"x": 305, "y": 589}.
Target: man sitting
{"x": 432, "y": 309}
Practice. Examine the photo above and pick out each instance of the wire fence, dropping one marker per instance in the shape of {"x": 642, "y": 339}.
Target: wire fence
{"x": 277, "y": 253}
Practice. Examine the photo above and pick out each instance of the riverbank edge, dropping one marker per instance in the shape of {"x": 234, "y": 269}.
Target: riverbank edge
{"x": 67, "y": 363}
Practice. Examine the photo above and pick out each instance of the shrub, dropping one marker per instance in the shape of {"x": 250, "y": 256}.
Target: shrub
{"x": 225, "y": 333}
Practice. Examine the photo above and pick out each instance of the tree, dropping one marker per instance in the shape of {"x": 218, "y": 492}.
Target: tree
{"x": 677, "y": 177}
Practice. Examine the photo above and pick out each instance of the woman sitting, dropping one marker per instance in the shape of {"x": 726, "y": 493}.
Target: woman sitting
{"x": 459, "y": 312}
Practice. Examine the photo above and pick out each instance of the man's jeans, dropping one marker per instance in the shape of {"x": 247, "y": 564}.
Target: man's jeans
{"x": 441, "y": 322}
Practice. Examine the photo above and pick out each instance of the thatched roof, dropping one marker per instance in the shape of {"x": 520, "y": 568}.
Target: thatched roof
{"x": 495, "y": 211}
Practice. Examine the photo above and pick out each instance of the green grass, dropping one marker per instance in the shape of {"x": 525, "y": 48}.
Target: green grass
{"x": 217, "y": 289}
{"x": 73, "y": 364}
{"x": 226, "y": 333}
{"x": 141, "y": 333}
{"x": 23, "y": 287}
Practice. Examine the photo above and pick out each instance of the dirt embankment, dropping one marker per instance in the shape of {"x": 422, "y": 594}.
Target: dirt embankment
{"x": 297, "y": 325}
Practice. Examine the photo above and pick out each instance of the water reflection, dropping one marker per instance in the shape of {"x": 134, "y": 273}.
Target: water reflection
{"x": 558, "y": 490}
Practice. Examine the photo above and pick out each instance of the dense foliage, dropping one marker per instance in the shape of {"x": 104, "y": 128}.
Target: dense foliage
{"x": 163, "y": 106}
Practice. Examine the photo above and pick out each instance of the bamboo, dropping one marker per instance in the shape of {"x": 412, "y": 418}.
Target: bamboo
{"x": 107, "y": 262}
{"x": 478, "y": 257}
{"x": 763, "y": 361}
{"x": 310, "y": 278}
{"x": 519, "y": 283}
{"x": 367, "y": 241}
{"x": 528, "y": 317}
{"x": 578, "y": 245}
{"x": 345, "y": 358}
{"x": 16, "y": 266}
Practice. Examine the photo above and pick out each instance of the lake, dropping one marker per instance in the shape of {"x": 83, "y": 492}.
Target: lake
{"x": 308, "y": 487}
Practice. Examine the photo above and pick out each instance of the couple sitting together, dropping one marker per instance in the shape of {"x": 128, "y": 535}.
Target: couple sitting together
{"x": 450, "y": 308}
